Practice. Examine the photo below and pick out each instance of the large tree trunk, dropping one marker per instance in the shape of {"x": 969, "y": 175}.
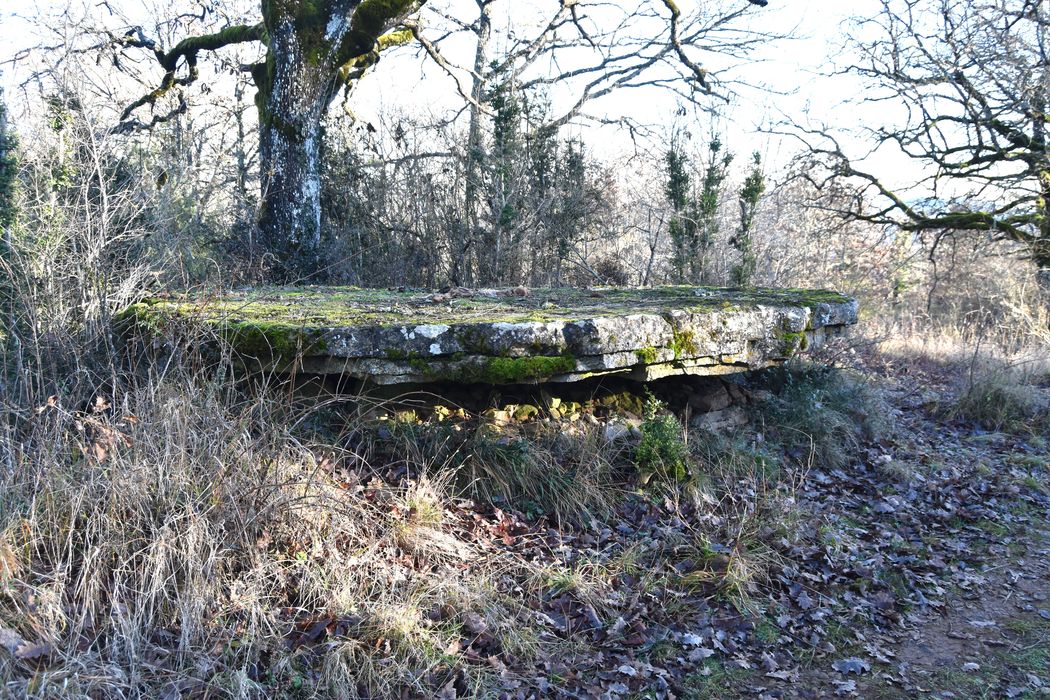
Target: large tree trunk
{"x": 315, "y": 47}
{"x": 290, "y": 221}
{"x": 1041, "y": 246}
{"x": 290, "y": 111}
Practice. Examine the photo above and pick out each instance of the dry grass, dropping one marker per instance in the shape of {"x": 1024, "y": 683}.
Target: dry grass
{"x": 566, "y": 472}
{"x": 1000, "y": 395}
{"x": 997, "y": 372}
{"x": 1011, "y": 325}
{"x": 184, "y": 539}
{"x": 821, "y": 415}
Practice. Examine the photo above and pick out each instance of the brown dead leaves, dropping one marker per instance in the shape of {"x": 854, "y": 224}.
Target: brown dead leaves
{"x": 22, "y": 649}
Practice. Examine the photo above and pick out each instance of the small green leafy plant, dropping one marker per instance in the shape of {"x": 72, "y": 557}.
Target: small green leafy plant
{"x": 662, "y": 451}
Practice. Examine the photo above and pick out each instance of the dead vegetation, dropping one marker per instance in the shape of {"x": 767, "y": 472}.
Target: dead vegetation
{"x": 167, "y": 531}
{"x": 178, "y": 537}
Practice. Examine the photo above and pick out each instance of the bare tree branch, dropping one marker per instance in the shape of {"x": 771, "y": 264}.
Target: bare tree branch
{"x": 186, "y": 50}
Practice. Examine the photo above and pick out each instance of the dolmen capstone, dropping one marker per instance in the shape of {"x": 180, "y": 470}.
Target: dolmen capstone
{"x": 513, "y": 336}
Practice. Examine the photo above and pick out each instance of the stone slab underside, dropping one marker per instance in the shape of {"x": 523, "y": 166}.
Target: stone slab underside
{"x": 500, "y": 337}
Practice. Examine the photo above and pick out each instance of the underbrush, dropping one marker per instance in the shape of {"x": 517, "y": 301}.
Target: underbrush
{"x": 184, "y": 541}
{"x": 180, "y": 536}
{"x": 998, "y": 380}
{"x": 820, "y": 415}
{"x": 185, "y": 536}
{"x": 661, "y": 451}
{"x": 567, "y": 472}
{"x": 1000, "y": 395}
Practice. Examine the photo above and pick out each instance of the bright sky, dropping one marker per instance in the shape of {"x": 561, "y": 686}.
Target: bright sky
{"x": 795, "y": 70}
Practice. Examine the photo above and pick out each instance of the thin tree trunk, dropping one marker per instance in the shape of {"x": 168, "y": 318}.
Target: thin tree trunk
{"x": 475, "y": 157}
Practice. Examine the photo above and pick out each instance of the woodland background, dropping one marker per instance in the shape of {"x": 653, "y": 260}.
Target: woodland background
{"x": 167, "y": 531}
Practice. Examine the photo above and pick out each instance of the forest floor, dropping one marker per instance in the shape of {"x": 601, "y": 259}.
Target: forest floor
{"x": 904, "y": 555}
{"x": 988, "y": 635}
{"x": 916, "y": 563}
{"x": 940, "y": 585}
{"x": 861, "y": 536}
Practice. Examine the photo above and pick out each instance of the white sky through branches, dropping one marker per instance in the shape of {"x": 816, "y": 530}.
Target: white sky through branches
{"x": 795, "y": 74}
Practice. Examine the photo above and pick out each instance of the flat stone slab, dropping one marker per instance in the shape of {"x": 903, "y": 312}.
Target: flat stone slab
{"x": 506, "y": 336}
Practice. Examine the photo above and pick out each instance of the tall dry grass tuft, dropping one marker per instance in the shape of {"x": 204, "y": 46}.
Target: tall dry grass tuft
{"x": 997, "y": 364}
{"x": 183, "y": 539}
{"x": 566, "y": 472}
{"x": 129, "y": 523}
{"x": 1002, "y": 393}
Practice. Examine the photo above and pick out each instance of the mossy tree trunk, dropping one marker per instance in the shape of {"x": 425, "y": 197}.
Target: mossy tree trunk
{"x": 295, "y": 88}
{"x": 314, "y": 48}
{"x": 1041, "y": 247}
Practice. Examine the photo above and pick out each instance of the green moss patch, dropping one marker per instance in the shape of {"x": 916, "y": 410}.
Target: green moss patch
{"x": 333, "y": 307}
{"x": 684, "y": 344}
{"x": 794, "y": 342}
{"x": 646, "y": 355}
{"x": 495, "y": 370}
{"x": 276, "y": 341}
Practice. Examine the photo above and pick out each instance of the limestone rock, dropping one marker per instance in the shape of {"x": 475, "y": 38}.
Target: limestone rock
{"x": 613, "y": 432}
{"x": 720, "y": 421}
{"x": 557, "y": 335}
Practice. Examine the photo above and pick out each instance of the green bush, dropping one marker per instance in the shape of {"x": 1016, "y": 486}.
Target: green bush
{"x": 661, "y": 451}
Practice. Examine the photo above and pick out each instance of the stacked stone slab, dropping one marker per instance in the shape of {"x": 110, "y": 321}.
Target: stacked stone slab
{"x": 507, "y": 337}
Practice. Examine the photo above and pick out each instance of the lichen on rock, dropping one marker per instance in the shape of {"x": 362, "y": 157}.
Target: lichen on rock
{"x": 490, "y": 337}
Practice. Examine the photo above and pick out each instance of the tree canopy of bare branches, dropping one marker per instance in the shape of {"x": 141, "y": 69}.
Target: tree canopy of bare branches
{"x": 973, "y": 79}
{"x": 313, "y": 50}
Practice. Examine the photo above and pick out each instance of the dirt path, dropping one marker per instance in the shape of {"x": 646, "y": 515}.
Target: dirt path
{"x": 993, "y": 638}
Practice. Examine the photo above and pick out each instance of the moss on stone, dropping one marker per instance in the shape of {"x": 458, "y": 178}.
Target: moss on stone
{"x": 623, "y": 402}
{"x": 398, "y": 355}
{"x": 794, "y": 342}
{"x": 526, "y": 412}
{"x": 683, "y": 343}
{"x": 511, "y": 370}
{"x": 282, "y": 323}
{"x": 281, "y": 342}
{"x": 140, "y": 317}
{"x": 495, "y": 370}
{"x": 427, "y": 369}
{"x": 334, "y": 307}
{"x": 646, "y": 355}
{"x": 275, "y": 341}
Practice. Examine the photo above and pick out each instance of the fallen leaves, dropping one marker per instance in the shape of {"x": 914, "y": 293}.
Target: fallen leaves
{"x": 851, "y": 665}
{"x": 22, "y": 649}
